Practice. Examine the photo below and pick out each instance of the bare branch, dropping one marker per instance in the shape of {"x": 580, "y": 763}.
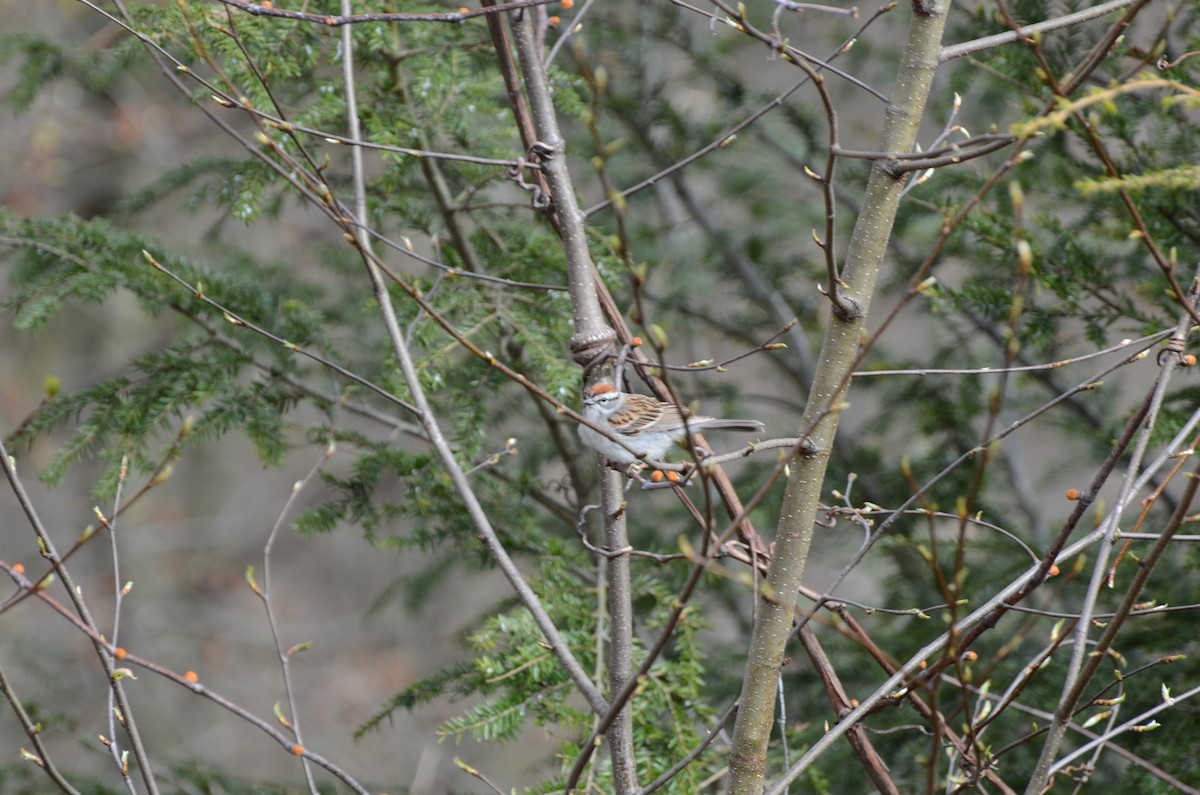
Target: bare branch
{"x": 333, "y": 21}
{"x": 1026, "y": 31}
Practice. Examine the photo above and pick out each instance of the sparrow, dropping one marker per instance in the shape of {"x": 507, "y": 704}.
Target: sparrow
{"x": 646, "y": 425}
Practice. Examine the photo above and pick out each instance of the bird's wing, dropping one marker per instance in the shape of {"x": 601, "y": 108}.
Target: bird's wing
{"x": 639, "y": 413}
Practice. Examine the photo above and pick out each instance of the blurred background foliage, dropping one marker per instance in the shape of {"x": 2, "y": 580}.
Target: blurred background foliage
{"x": 108, "y": 161}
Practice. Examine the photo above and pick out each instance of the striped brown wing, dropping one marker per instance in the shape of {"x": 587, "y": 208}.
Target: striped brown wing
{"x": 642, "y": 413}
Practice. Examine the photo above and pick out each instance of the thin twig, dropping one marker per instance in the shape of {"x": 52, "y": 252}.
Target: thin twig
{"x": 333, "y": 21}
{"x": 458, "y": 477}
{"x": 104, "y": 652}
{"x": 1027, "y": 368}
{"x": 727, "y": 137}
{"x": 187, "y": 680}
{"x": 113, "y": 745}
{"x": 1077, "y": 673}
{"x": 34, "y": 732}
{"x": 241, "y": 322}
{"x": 569, "y": 29}
{"x": 1025, "y": 31}
{"x": 285, "y": 655}
{"x": 691, "y": 755}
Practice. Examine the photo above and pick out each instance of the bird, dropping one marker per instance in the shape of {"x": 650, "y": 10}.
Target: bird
{"x": 649, "y": 426}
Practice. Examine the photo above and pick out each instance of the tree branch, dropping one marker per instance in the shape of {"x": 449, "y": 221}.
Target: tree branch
{"x": 859, "y": 274}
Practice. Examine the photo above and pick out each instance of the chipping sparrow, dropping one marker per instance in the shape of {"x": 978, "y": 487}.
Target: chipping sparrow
{"x": 647, "y": 425}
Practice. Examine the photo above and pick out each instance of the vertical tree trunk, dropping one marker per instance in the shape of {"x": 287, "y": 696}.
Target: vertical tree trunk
{"x": 847, "y": 324}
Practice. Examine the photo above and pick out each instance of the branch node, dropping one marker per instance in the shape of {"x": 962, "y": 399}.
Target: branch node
{"x": 589, "y": 349}
{"x": 845, "y": 308}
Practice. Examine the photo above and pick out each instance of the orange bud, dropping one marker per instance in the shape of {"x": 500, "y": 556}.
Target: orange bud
{"x": 970, "y": 656}
{"x": 18, "y": 568}
{"x": 120, "y": 653}
{"x": 330, "y": 21}
{"x": 656, "y": 476}
{"x": 1188, "y": 360}
{"x": 635, "y": 342}
{"x": 267, "y": 4}
{"x": 1074, "y": 494}
{"x": 923, "y": 664}
{"x": 568, "y": 4}
{"x": 191, "y": 677}
{"x": 464, "y": 10}
{"x": 1053, "y": 571}
{"x": 673, "y": 477}
{"x": 298, "y": 750}
{"x": 555, "y": 21}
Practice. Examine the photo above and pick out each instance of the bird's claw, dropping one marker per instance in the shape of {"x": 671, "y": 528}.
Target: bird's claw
{"x": 665, "y": 478}
{"x": 658, "y": 478}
